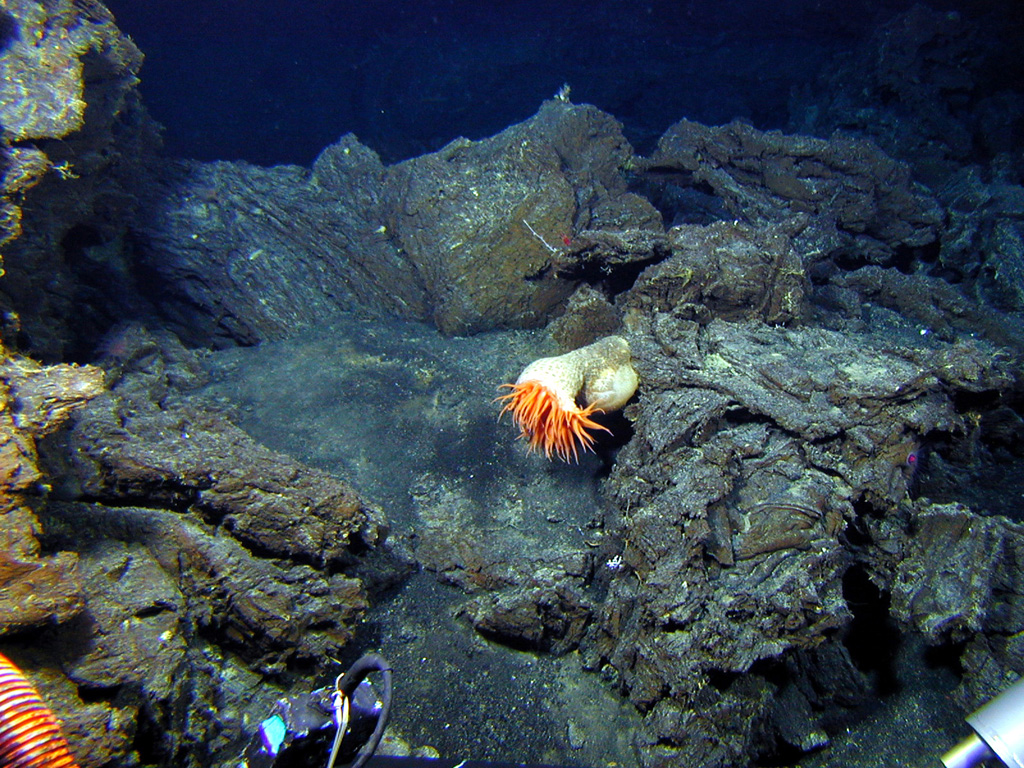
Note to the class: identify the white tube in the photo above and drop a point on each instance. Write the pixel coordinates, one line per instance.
(999, 732)
(968, 753)
(1000, 723)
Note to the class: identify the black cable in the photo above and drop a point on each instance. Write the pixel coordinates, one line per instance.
(358, 672)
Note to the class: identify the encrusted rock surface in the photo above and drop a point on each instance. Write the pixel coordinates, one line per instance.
(192, 563)
(59, 196)
(185, 634)
(956, 577)
(34, 400)
(136, 445)
(445, 237)
(984, 242)
(755, 449)
(842, 194)
(500, 215)
(725, 270)
(243, 253)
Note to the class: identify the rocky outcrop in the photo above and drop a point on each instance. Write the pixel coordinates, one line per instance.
(842, 197)
(983, 245)
(38, 589)
(180, 456)
(924, 87)
(192, 564)
(67, 73)
(725, 270)
(498, 233)
(476, 236)
(756, 455)
(184, 633)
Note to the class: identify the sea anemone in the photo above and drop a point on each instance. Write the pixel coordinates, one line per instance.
(543, 401)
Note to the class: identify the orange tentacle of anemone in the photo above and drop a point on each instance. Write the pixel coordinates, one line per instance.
(543, 401)
(548, 425)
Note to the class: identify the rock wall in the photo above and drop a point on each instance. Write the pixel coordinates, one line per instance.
(73, 136)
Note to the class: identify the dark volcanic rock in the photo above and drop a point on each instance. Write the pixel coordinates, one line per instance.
(243, 253)
(841, 196)
(177, 617)
(490, 223)
(213, 567)
(983, 245)
(956, 579)
(754, 449)
(725, 270)
(142, 443)
(167, 577)
(548, 613)
(472, 237)
(34, 401)
(924, 86)
(66, 169)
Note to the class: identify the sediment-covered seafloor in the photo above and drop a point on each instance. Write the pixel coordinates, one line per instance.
(247, 427)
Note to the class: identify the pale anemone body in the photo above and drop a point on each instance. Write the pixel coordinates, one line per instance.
(543, 401)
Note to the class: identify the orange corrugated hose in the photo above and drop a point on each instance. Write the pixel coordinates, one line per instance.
(30, 736)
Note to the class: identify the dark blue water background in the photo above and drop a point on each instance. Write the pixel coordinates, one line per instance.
(275, 82)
